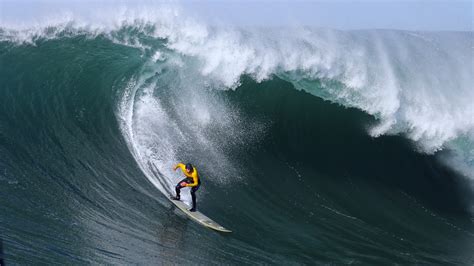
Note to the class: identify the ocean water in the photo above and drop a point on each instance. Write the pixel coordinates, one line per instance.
(314, 146)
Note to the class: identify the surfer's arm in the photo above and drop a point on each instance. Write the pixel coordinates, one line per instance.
(179, 165)
(195, 181)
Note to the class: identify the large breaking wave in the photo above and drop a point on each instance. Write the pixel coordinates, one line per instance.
(180, 90)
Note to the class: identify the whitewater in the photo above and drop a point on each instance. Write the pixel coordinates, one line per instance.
(418, 84)
(332, 120)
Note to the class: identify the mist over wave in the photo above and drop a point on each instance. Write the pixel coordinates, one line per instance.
(417, 83)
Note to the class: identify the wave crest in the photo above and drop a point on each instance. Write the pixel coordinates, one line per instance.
(418, 84)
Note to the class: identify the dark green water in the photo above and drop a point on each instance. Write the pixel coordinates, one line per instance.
(297, 179)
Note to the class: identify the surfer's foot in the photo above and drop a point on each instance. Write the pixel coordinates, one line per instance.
(174, 198)
(192, 209)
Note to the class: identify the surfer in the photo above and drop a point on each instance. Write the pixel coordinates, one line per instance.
(192, 180)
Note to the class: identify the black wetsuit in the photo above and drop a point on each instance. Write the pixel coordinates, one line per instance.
(193, 189)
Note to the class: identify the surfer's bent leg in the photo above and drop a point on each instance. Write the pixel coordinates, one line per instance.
(179, 187)
(193, 195)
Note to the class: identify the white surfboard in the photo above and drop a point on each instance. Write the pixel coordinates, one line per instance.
(199, 217)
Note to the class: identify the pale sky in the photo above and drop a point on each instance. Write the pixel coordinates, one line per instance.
(412, 15)
(430, 15)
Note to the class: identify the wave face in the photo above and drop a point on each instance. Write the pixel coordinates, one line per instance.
(314, 145)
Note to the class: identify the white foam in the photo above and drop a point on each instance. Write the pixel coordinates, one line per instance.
(171, 117)
(417, 84)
